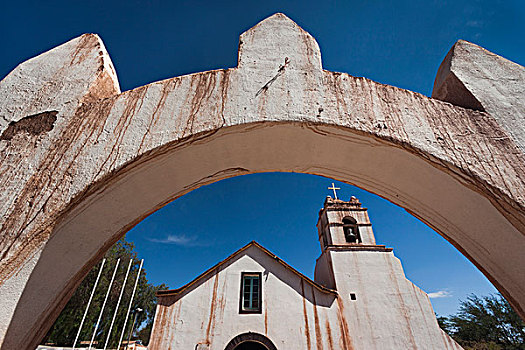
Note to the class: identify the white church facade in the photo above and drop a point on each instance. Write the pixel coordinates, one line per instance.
(359, 298)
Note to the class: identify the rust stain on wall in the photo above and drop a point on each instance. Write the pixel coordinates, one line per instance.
(211, 319)
(158, 327)
(166, 322)
(83, 49)
(177, 322)
(345, 340)
(23, 228)
(402, 308)
(167, 87)
(205, 84)
(421, 311)
(224, 84)
(329, 335)
(134, 103)
(318, 335)
(104, 87)
(305, 315)
(221, 304)
(266, 318)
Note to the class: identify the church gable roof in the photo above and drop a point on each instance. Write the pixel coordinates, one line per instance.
(216, 268)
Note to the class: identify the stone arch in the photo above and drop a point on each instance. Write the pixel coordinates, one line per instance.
(252, 338)
(110, 159)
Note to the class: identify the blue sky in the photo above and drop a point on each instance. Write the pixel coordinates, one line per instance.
(396, 43)
(280, 211)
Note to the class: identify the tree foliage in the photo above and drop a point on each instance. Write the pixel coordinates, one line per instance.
(486, 323)
(66, 326)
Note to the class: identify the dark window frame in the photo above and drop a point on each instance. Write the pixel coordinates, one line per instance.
(241, 294)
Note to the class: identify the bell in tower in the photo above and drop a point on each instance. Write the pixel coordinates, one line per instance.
(344, 223)
(351, 230)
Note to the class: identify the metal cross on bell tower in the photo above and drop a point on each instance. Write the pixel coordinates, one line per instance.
(333, 188)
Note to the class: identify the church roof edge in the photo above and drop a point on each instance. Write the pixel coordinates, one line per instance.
(215, 268)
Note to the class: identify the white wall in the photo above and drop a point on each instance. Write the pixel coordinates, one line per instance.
(209, 312)
(389, 312)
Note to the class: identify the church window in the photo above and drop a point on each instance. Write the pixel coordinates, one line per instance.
(352, 296)
(351, 230)
(251, 292)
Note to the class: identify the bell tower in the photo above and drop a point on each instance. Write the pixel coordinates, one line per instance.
(344, 223)
(345, 233)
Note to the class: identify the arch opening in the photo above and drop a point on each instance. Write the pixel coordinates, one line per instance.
(250, 341)
(440, 199)
(250, 345)
(239, 201)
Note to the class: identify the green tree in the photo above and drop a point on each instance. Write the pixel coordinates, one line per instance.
(65, 328)
(486, 323)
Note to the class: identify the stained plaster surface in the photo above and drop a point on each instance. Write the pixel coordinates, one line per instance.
(111, 158)
(492, 83)
(389, 312)
(208, 313)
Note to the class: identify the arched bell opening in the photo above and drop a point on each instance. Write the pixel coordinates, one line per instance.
(351, 230)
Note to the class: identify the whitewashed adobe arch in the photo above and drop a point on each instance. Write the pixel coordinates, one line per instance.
(81, 163)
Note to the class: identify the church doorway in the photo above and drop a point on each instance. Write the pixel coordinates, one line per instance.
(250, 345)
(250, 341)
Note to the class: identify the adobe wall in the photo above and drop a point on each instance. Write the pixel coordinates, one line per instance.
(389, 311)
(294, 313)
